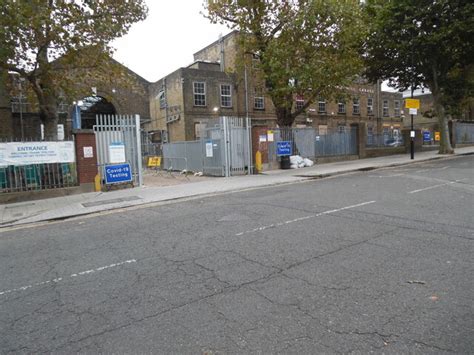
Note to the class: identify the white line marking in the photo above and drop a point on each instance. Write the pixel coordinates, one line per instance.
(435, 186)
(302, 218)
(87, 272)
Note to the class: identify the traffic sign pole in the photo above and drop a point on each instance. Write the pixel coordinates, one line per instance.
(413, 105)
(412, 140)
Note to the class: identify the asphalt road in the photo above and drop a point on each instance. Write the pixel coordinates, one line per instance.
(379, 261)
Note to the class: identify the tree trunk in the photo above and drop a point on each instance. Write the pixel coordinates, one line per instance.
(445, 142)
(48, 109)
(284, 116)
(49, 117)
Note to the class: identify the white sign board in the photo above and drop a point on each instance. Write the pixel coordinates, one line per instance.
(88, 152)
(412, 134)
(26, 153)
(413, 111)
(60, 132)
(270, 136)
(116, 153)
(209, 152)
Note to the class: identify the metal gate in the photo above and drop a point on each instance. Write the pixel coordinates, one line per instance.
(113, 129)
(226, 147)
(338, 142)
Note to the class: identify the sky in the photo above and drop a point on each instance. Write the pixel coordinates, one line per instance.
(167, 39)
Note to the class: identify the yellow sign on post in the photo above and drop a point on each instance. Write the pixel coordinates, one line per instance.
(437, 136)
(412, 103)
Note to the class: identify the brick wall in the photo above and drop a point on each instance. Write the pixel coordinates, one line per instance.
(259, 146)
(86, 167)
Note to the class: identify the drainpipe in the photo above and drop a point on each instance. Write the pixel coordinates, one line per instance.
(221, 41)
(248, 121)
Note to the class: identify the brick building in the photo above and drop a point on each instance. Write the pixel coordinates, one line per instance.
(188, 97)
(391, 113)
(99, 95)
(219, 84)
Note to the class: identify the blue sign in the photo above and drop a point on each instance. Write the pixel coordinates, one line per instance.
(76, 117)
(284, 148)
(426, 136)
(118, 173)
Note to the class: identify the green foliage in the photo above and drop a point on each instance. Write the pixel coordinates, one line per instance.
(306, 48)
(408, 38)
(49, 42)
(423, 42)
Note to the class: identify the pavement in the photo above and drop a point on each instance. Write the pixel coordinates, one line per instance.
(88, 203)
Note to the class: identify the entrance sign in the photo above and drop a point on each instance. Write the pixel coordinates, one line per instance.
(117, 153)
(26, 153)
(284, 148)
(115, 174)
(412, 103)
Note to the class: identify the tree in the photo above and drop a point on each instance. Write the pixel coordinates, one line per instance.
(306, 48)
(424, 42)
(51, 42)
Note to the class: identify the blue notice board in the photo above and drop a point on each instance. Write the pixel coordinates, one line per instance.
(426, 136)
(284, 148)
(117, 173)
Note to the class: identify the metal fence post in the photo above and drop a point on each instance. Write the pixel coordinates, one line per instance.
(139, 150)
(249, 144)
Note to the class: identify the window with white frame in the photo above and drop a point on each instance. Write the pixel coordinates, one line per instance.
(356, 106)
(396, 105)
(370, 106)
(255, 61)
(341, 106)
(385, 108)
(199, 91)
(162, 98)
(321, 105)
(226, 95)
(259, 99)
(299, 102)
